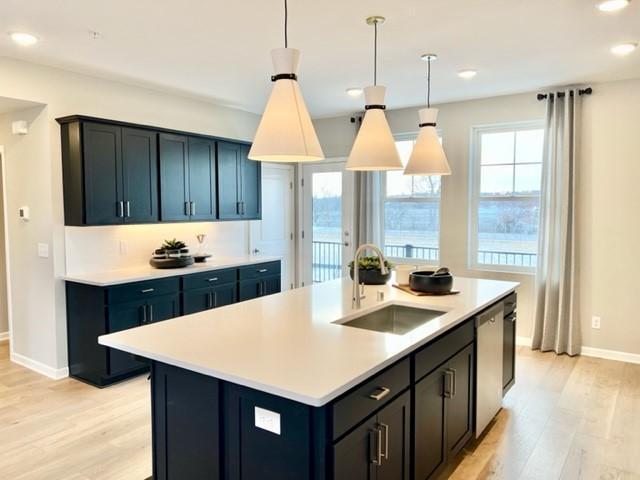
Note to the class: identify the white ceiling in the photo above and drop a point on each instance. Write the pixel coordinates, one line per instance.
(219, 49)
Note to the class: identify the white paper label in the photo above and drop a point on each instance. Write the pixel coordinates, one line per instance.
(267, 420)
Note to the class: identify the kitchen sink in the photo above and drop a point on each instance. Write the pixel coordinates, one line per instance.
(394, 319)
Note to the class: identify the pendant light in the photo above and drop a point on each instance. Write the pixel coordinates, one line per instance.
(374, 147)
(427, 157)
(285, 132)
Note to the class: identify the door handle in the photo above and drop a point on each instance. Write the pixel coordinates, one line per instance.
(151, 313)
(264, 287)
(238, 211)
(193, 208)
(385, 427)
(263, 270)
(208, 300)
(147, 290)
(256, 251)
(120, 209)
(214, 279)
(187, 208)
(379, 394)
(215, 299)
(127, 206)
(448, 386)
(453, 382)
(144, 314)
(377, 459)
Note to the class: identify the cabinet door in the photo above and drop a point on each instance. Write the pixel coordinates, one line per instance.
(353, 456)
(163, 308)
(194, 301)
(394, 422)
(460, 401)
(509, 352)
(102, 174)
(122, 317)
(271, 285)
(174, 181)
(430, 452)
(249, 289)
(229, 178)
(251, 186)
(224, 295)
(202, 179)
(140, 175)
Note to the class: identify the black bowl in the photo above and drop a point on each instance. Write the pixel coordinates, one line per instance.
(424, 282)
(371, 277)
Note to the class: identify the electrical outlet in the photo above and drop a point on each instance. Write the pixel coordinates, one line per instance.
(267, 420)
(123, 247)
(595, 322)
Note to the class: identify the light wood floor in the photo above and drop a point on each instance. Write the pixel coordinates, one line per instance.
(566, 418)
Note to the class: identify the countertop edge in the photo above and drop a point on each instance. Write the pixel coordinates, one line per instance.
(314, 401)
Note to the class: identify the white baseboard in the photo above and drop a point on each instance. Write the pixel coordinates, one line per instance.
(610, 354)
(594, 352)
(39, 367)
(4, 337)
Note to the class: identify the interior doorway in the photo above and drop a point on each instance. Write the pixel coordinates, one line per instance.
(273, 235)
(5, 318)
(327, 221)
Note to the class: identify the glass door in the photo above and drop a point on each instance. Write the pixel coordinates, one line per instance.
(327, 218)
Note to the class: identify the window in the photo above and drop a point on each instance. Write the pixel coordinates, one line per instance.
(411, 211)
(507, 171)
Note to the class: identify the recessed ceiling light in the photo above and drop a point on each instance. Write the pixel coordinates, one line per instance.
(612, 5)
(354, 92)
(623, 49)
(467, 73)
(24, 39)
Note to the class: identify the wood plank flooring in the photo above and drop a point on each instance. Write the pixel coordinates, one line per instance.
(566, 418)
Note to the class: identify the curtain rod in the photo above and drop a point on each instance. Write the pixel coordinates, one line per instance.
(584, 91)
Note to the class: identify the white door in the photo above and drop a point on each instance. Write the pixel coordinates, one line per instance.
(273, 235)
(326, 219)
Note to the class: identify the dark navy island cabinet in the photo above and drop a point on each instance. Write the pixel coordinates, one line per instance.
(93, 311)
(407, 422)
(117, 172)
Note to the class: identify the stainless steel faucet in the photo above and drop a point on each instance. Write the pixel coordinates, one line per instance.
(356, 270)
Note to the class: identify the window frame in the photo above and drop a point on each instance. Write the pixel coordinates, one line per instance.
(400, 137)
(475, 170)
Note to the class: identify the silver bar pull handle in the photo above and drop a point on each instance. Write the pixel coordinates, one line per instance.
(379, 394)
(377, 451)
(127, 206)
(215, 299)
(147, 290)
(193, 208)
(385, 427)
(214, 279)
(151, 313)
(144, 314)
(120, 209)
(453, 382)
(208, 300)
(263, 270)
(187, 208)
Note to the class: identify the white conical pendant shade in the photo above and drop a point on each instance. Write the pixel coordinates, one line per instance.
(285, 133)
(427, 157)
(374, 147)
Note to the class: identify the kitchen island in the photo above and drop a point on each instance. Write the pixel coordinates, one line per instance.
(279, 387)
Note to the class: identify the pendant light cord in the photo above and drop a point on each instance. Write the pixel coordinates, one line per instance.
(429, 83)
(286, 19)
(375, 53)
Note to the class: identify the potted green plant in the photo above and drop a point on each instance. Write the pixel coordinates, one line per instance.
(369, 270)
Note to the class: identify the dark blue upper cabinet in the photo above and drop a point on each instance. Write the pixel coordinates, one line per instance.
(116, 172)
(110, 174)
(239, 185)
(174, 178)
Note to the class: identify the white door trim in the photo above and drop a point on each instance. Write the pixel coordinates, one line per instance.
(7, 261)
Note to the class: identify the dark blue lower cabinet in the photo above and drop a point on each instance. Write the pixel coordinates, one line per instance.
(201, 299)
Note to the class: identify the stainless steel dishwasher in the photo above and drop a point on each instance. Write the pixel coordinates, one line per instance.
(490, 326)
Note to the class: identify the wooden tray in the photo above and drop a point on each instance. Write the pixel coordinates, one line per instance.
(406, 288)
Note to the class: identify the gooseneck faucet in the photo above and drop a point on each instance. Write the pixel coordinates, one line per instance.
(356, 270)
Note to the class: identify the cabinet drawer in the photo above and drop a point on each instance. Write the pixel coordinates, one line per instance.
(209, 279)
(361, 402)
(260, 270)
(510, 303)
(141, 290)
(439, 351)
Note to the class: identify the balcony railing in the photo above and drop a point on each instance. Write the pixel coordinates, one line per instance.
(327, 258)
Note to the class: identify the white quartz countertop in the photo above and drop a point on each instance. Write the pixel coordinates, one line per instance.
(147, 272)
(290, 345)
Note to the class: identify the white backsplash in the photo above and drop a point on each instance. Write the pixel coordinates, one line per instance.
(96, 249)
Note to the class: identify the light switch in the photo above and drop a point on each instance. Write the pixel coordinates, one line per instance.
(43, 250)
(267, 420)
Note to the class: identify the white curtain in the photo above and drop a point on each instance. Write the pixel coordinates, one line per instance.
(367, 209)
(557, 313)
